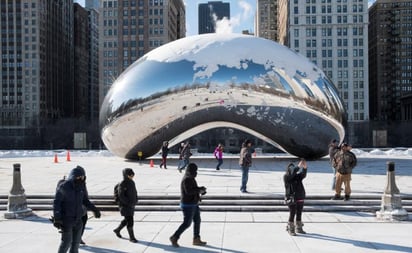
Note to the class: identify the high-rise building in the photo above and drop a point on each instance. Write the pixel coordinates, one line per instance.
(209, 13)
(390, 60)
(81, 37)
(272, 20)
(130, 29)
(92, 7)
(37, 68)
(334, 35)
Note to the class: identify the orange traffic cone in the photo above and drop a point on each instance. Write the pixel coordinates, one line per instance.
(151, 164)
(68, 156)
(55, 158)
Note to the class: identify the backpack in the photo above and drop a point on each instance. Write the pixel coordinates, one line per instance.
(116, 193)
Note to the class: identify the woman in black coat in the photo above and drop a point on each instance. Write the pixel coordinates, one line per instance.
(295, 195)
(127, 202)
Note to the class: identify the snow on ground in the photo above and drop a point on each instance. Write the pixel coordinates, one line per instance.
(401, 153)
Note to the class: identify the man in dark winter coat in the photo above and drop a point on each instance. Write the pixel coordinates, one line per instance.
(127, 202)
(68, 209)
(295, 192)
(189, 202)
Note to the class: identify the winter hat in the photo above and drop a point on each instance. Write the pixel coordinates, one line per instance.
(128, 172)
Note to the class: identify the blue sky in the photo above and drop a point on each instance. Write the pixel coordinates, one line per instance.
(242, 13)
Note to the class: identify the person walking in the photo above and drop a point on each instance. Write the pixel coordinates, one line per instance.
(345, 162)
(189, 202)
(295, 196)
(333, 148)
(245, 161)
(71, 196)
(165, 152)
(127, 201)
(218, 153)
(185, 154)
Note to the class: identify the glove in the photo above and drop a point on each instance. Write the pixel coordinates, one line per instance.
(58, 223)
(202, 190)
(97, 214)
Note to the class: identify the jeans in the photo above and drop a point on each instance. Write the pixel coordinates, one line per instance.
(245, 177)
(71, 238)
(190, 213)
(219, 162)
(182, 164)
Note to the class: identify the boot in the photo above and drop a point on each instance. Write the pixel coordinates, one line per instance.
(299, 227)
(291, 228)
(131, 235)
(336, 197)
(198, 242)
(347, 197)
(173, 239)
(120, 227)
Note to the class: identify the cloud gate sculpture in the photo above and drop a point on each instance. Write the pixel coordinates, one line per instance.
(222, 80)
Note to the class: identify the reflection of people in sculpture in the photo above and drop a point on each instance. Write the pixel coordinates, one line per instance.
(184, 156)
(165, 152)
(245, 161)
(218, 153)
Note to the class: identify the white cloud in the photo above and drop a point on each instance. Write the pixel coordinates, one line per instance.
(227, 26)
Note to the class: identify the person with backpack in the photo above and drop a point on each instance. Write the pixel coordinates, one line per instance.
(345, 162)
(295, 195)
(127, 200)
(71, 196)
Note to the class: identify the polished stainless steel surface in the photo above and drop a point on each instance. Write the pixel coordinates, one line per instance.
(222, 80)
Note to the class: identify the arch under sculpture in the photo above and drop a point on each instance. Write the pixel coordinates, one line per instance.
(222, 80)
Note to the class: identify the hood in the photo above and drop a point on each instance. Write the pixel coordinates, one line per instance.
(127, 172)
(76, 172)
(191, 170)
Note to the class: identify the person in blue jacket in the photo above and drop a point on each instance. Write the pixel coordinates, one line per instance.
(71, 196)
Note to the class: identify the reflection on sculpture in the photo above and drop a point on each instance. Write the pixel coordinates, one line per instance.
(221, 80)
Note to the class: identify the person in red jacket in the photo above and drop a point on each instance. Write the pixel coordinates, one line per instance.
(218, 153)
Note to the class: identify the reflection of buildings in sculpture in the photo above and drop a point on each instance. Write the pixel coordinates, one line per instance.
(262, 93)
(130, 29)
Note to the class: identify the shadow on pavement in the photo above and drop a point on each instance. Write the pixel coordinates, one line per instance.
(361, 244)
(204, 249)
(100, 250)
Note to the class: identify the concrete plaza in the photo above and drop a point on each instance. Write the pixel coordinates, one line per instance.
(224, 231)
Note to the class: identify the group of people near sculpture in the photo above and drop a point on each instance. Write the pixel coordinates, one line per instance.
(71, 199)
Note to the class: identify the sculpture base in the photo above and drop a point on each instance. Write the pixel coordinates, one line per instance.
(18, 214)
(394, 215)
